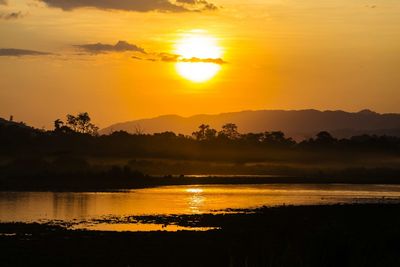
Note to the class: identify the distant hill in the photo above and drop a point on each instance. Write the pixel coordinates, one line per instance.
(8, 123)
(298, 124)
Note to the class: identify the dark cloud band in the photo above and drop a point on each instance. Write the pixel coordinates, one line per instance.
(133, 5)
(13, 52)
(167, 57)
(205, 4)
(218, 61)
(121, 46)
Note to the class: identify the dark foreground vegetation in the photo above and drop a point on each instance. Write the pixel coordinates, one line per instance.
(73, 155)
(338, 235)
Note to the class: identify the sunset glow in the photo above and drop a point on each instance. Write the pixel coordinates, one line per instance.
(178, 55)
(257, 133)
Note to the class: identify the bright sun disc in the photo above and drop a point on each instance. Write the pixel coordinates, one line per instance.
(197, 46)
(197, 72)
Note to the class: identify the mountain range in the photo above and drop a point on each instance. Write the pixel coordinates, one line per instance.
(298, 124)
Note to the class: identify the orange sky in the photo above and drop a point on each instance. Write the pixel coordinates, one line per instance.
(279, 54)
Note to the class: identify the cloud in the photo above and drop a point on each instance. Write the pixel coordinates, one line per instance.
(121, 46)
(206, 5)
(138, 58)
(218, 61)
(12, 15)
(167, 57)
(133, 5)
(13, 52)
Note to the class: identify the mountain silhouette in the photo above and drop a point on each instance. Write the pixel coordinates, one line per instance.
(298, 124)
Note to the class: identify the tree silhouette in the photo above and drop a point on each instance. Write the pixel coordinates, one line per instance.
(253, 137)
(58, 124)
(274, 137)
(325, 137)
(205, 133)
(201, 133)
(81, 123)
(210, 134)
(229, 131)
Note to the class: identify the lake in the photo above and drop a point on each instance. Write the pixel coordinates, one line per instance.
(86, 206)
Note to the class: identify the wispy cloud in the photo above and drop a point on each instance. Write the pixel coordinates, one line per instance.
(121, 46)
(218, 61)
(206, 5)
(14, 52)
(167, 57)
(11, 15)
(138, 53)
(134, 5)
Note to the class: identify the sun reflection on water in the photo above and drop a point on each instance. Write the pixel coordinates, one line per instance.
(196, 199)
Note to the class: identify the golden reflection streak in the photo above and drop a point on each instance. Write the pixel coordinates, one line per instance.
(196, 199)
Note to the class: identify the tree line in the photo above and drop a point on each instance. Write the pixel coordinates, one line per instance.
(81, 124)
(77, 134)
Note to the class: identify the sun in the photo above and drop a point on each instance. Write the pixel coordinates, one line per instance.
(192, 49)
(197, 72)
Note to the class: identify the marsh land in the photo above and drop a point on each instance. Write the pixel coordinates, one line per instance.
(70, 197)
(333, 235)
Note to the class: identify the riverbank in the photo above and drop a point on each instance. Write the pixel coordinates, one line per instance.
(77, 183)
(333, 235)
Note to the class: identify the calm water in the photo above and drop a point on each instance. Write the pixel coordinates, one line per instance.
(48, 206)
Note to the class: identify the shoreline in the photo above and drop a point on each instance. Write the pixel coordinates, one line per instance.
(330, 235)
(159, 181)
